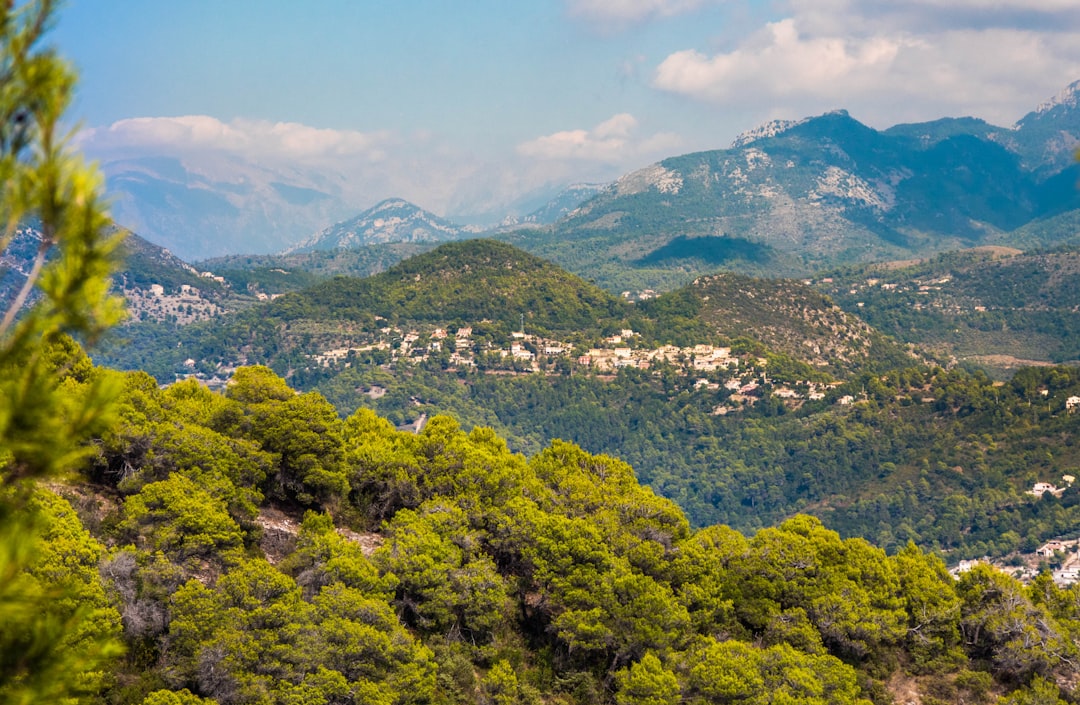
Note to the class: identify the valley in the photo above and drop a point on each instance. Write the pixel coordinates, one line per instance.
(745, 400)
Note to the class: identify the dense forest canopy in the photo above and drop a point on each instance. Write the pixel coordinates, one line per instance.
(441, 567)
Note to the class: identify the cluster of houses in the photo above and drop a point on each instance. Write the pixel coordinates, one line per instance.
(918, 287)
(1067, 571)
(744, 379)
(185, 306)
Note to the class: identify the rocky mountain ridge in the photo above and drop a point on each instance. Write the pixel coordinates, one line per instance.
(795, 196)
(391, 220)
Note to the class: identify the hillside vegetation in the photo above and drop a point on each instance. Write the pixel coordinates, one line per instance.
(743, 400)
(994, 307)
(492, 577)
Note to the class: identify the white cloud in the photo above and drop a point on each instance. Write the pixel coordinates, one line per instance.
(617, 14)
(249, 138)
(361, 168)
(781, 63)
(885, 62)
(611, 141)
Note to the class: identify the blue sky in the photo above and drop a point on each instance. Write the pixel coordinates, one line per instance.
(468, 104)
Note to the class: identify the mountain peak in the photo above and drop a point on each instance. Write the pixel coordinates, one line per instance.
(771, 128)
(778, 127)
(389, 220)
(1068, 97)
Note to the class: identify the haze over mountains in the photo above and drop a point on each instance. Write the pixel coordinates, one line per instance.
(790, 195)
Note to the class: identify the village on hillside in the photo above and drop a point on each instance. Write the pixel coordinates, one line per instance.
(744, 379)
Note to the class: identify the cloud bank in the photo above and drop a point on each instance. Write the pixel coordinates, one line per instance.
(889, 61)
(618, 14)
(249, 138)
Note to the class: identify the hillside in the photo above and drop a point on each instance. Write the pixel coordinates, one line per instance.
(786, 316)
(250, 538)
(498, 290)
(478, 280)
(144, 263)
(993, 307)
(236, 544)
(743, 400)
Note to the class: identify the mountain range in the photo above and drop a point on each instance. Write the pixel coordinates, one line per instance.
(786, 198)
(794, 197)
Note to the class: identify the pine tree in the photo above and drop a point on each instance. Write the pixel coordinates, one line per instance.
(50, 398)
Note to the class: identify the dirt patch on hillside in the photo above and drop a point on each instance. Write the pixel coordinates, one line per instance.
(1006, 361)
(280, 529)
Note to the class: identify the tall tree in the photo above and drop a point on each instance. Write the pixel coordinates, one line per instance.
(49, 399)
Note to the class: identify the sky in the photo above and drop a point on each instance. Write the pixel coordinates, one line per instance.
(466, 105)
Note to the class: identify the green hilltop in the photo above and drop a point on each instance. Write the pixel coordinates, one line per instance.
(473, 280)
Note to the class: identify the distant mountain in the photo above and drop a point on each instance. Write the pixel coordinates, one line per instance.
(795, 196)
(277, 274)
(240, 208)
(788, 197)
(392, 220)
(565, 202)
(1047, 137)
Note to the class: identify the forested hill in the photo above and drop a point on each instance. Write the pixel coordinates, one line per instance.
(494, 290)
(744, 400)
(785, 315)
(470, 281)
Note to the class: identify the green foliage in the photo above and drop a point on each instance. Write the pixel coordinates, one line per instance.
(848, 590)
(169, 697)
(182, 520)
(647, 682)
(735, 672)
(56, 634)
(497, 578)
(323, 557)
(446, 584)
(501, 685)
(933, 609)
(1040, 692)
(1003, 626)
(59, 631)
(301, 431)
(253, 638)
